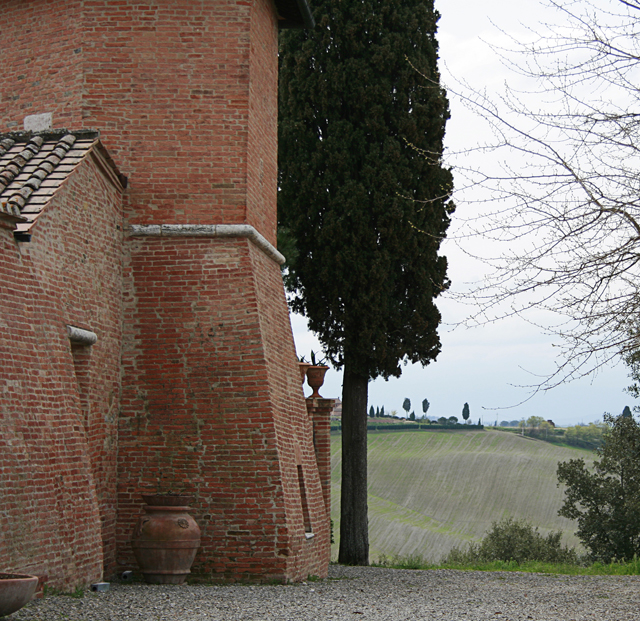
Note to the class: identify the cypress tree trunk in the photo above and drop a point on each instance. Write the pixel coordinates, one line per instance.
(354, 527)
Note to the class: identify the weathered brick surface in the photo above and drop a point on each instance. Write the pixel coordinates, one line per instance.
(293, 426)
(185, 96)
(184, 93)
(41, 61)
(320, 415)
(57, 415)
(213, 406)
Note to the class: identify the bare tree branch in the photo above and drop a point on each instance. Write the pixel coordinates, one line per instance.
(565, 200)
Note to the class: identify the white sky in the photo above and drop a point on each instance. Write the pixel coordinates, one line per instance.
(489, 367)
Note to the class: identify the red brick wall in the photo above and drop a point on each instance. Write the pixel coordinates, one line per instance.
(262, 153)
(184, 94)
(294, 427)
(167, 83)
(320, 415)
(41, 62)
(213, 406)
(57, 436)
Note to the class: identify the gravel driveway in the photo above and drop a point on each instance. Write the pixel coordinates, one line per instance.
(359, 593)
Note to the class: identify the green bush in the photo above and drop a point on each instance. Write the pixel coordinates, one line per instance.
(589, 436)
(412, 561)
(516, 541)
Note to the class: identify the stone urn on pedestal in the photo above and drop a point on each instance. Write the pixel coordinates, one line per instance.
(166, 539)
(315, 375)
(315, 378)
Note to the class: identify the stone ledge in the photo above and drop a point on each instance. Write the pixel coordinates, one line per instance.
(208, 230)
(80, 336)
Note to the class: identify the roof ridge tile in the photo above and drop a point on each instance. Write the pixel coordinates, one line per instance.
(5, 145)
(18, 161)
(21, 196)
(69, 139)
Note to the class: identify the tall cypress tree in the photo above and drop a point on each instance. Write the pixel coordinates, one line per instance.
(364, 199)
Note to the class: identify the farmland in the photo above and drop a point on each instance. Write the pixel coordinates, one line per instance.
(430, 491)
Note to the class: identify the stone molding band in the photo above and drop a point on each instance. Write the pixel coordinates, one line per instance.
(209, 230)
(80, 336)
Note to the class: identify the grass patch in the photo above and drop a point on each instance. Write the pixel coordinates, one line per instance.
(516, 545)
(78, 593)
(631, 568)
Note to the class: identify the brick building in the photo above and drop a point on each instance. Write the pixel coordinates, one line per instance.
(145, 343)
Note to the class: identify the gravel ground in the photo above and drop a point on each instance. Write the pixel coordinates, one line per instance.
(361, 593)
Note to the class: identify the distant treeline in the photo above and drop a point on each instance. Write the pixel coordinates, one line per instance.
(337, 427)
(583, 436)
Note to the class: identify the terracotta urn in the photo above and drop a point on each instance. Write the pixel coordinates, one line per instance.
(166, 539)
(16, 590)
(315, 378)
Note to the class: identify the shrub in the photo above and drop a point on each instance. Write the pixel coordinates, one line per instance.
(588, 436)
(412, 561)
(517, 541)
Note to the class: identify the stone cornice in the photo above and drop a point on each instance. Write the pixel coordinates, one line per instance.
(208, 230)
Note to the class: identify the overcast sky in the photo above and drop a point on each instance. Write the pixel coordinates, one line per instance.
(489, 367)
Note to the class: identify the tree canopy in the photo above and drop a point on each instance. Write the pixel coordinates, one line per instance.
(606, 501)
(362, 189)
(364, 203)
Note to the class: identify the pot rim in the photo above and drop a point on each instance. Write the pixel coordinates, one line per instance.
(6, 576)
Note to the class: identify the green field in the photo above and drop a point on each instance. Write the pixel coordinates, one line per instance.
(430, 491)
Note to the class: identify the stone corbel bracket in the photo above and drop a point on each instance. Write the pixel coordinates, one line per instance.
(80, 336)
(208, 230)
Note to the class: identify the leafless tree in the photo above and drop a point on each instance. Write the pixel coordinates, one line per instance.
(566, 199)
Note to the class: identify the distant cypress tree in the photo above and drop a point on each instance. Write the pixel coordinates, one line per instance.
(465, 412)
(627, 412)
(371, 412)
(365, 199)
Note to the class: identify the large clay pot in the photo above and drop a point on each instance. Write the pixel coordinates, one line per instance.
(315, 378)
(16, 590)
(166, 539)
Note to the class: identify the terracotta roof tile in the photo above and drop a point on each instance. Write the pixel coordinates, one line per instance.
(34, 166)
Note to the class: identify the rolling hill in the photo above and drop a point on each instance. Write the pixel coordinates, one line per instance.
(431, 491)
